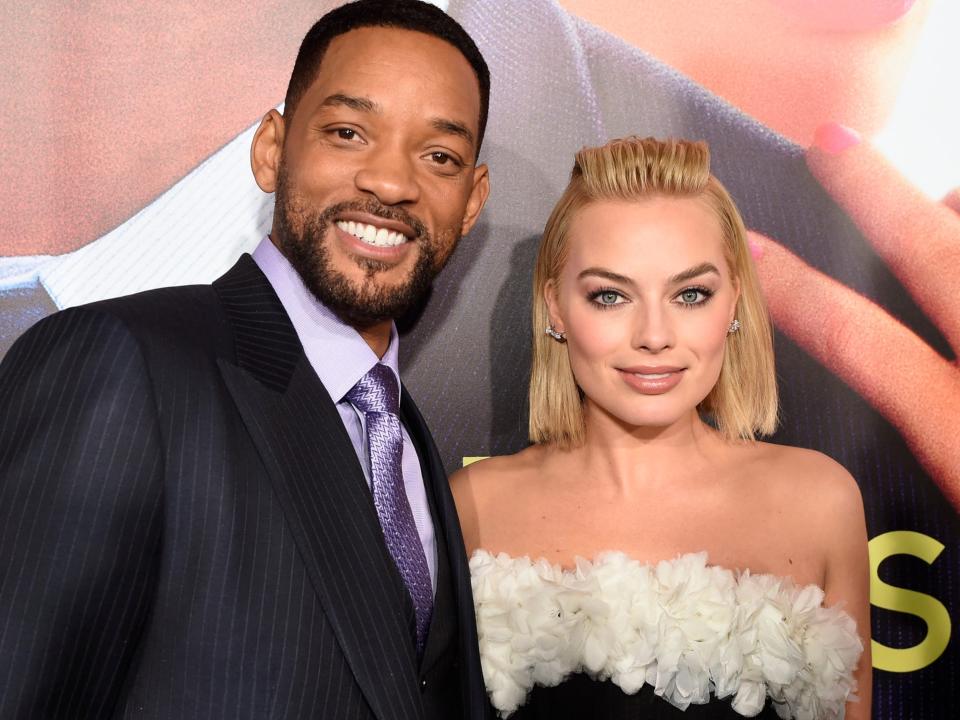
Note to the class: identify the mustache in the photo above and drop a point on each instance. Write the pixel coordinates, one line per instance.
(374, 207)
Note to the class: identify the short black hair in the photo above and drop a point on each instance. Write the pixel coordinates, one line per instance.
(402, 14)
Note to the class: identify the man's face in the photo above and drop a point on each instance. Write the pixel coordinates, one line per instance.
(376, 181)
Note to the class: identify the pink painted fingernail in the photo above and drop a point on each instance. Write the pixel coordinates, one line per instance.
(756, 249)
(834, 138)
(952, 200)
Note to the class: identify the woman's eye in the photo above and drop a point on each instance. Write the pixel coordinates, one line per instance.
(693, 296)
(607, 297)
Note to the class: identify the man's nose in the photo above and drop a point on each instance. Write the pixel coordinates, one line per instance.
(389, 174)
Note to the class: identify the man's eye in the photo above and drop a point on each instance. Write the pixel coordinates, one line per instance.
(441, 158)
(346, 133)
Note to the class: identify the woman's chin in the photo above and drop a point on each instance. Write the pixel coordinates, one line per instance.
(652, 422)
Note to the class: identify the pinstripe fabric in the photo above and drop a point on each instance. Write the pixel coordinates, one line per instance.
(185, 531)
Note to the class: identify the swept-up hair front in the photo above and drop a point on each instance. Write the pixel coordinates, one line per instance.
(743, 403)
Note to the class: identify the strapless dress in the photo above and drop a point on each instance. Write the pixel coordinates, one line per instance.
(614, 638)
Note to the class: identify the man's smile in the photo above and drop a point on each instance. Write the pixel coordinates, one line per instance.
(372, 234)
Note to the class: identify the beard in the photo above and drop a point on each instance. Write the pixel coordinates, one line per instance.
(302, 239)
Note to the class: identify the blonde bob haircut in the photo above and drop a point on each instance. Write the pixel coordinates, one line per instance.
(743, 403)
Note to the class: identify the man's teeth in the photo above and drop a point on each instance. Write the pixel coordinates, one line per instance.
(371, 234)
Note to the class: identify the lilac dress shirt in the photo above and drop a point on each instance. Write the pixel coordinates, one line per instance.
(340, 357)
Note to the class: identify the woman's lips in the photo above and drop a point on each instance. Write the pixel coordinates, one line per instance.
(846, 15)
(652, 380)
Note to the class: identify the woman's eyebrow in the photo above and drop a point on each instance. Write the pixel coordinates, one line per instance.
(607, 274)
(683, 276)
(693, 272)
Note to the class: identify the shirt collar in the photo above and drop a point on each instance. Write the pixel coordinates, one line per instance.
(218, 201)
(336, 351)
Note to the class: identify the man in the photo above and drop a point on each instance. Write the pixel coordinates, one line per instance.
(217, 501)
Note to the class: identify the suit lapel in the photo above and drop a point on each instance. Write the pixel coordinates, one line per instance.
(313, 468)
(447, 527)
(444, 611)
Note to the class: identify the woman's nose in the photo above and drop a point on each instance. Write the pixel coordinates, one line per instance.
(653, 330)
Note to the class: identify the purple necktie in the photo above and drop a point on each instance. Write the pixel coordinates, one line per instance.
(376, 395)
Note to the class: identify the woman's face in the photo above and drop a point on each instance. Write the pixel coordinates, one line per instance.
(792, 64)
(645, 299)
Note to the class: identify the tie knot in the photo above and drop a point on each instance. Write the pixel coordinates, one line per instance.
(376, 391)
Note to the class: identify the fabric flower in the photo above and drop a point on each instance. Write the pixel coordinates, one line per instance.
(689, 629)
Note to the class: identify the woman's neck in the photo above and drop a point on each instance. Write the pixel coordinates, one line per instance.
(637, 458)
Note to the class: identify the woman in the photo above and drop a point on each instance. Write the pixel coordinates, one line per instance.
(590, 549)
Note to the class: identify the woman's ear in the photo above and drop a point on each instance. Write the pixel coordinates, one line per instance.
(553, 305)
(736, 300)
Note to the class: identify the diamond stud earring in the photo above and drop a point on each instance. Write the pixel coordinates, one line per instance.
(734, 326)
(560, 337)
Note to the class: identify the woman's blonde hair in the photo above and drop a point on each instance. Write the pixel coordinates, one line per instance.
(743, 403)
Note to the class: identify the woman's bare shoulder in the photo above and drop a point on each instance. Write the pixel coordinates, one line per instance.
(822, 483)
(484, 488)
(795, 463)
(492, 475)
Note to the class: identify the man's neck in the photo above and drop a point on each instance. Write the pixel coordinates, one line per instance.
(377, 336)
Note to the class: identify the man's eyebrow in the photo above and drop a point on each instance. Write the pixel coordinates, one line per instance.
(695, 271)
(354, 102)
(452, 127)
(607, 274)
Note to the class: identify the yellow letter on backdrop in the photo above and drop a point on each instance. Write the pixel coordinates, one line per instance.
(925, 607)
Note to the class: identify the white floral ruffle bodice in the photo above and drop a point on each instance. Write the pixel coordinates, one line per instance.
(686, 628)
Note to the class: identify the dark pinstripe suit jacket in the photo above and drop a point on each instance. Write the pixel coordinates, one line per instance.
(185, 531)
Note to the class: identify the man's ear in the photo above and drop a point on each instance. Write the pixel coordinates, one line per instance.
(478, 198)
(266, 150)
